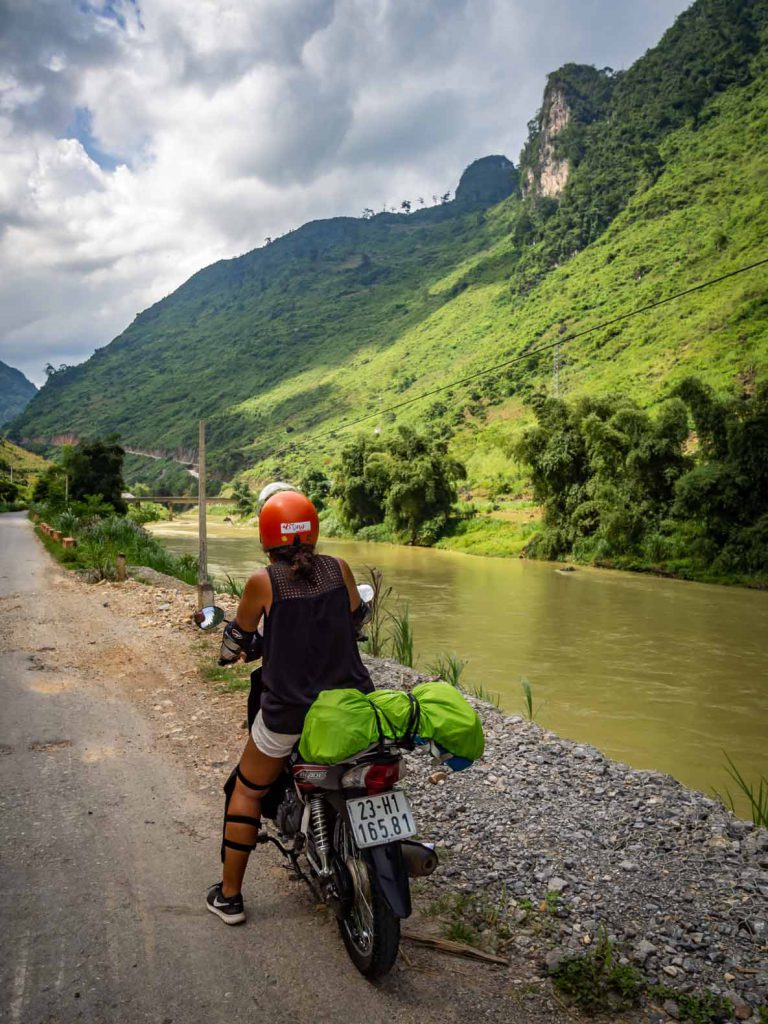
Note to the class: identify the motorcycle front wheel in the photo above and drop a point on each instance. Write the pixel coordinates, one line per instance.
(369, 929)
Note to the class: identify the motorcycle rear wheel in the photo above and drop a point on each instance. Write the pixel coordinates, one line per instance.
(370, 931)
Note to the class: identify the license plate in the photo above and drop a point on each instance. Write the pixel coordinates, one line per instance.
(381, 819)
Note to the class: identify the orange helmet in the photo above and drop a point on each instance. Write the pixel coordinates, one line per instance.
(287, 518)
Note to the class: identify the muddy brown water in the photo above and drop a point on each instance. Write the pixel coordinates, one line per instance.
(661, 674)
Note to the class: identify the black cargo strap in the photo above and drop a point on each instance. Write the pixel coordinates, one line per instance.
(378, 714)
(411, 729)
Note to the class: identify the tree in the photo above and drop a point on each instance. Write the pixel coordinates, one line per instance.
(317, 487)
(244, 499)
(50, 486)
(406, 205)
(726, 493)
(604, 469)
(407, 479)
(95, 468)
(52, 371)
(9, 491)
(359, 487)
(367, 213)
(422, 478)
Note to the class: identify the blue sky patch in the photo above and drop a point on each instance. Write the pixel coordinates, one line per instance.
(81, 129)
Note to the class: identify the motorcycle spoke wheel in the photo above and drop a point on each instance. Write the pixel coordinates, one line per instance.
(370, 931)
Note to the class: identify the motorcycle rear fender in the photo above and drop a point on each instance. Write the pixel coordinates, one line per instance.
(387, 864)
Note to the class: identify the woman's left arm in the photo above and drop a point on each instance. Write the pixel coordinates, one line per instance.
(240, 634)
(349, 580)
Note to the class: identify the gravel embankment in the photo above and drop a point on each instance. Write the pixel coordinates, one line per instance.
(675, 879)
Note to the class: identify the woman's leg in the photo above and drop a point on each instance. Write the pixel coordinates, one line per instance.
(259, 772)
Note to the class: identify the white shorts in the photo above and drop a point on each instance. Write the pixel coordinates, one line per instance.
(272, 744)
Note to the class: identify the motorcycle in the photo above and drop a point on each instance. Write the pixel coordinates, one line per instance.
(352, 828)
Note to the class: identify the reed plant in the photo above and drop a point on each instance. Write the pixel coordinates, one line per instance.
(400, 637)
(756, 793)
(375, 627)
(448, 667)
(484, 694)
(232, 586)
(529, 709)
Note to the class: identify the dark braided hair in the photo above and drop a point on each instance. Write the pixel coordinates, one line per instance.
(300, 558)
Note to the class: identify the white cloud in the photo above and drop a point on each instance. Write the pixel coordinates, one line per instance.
(140, 144)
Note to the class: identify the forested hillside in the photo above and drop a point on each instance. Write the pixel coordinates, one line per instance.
(15, 392)
(632, 186)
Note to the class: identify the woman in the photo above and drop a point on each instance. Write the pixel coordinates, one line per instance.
(311, 608)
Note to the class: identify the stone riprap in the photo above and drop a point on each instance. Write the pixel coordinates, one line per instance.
(566, 843)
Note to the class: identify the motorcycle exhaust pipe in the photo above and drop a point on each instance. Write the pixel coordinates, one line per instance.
(420, 858)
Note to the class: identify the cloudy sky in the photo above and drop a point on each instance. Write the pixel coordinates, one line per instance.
(143, 139)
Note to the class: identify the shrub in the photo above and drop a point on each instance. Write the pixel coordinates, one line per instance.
(597, 982)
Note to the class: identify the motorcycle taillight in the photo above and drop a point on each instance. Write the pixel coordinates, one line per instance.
(381, 777)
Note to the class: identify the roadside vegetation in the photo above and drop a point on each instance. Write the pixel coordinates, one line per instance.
(19, 471)
(80, 498)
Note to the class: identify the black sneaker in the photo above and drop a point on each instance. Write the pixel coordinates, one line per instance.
(228, 908)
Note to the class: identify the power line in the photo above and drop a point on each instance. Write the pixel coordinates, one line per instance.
(520, 357)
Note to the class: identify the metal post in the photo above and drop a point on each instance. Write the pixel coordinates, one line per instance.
(204, 588)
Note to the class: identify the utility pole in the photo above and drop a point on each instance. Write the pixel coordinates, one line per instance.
(204, 588)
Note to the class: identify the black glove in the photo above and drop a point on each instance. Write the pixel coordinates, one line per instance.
(236, 640)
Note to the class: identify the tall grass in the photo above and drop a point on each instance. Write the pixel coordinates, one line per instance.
(756, 793)
(484, 694)
(529, 710)
(448, 667)
(400, 637)
(232, 586)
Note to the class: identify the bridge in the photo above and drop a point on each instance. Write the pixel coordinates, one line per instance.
(184, 499)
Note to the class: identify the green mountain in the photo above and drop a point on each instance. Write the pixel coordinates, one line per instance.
(632, 186)
(15, 392)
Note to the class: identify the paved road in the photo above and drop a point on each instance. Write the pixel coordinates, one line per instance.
(107, 847)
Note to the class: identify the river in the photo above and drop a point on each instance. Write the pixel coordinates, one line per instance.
(659, 673)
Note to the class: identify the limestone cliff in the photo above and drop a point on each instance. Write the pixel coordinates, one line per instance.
(550, 176)
(574, 97)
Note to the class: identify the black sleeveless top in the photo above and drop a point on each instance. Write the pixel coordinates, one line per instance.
(309, 643)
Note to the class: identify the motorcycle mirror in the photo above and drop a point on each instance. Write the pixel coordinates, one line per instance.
(365, 590)
(210, 617)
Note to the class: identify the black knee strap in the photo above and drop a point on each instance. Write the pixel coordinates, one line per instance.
(241, 819)
(229, 788)
(242, 847)
(251, 785)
